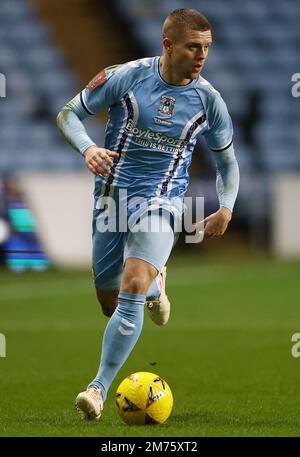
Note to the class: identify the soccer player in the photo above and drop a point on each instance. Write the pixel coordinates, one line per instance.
(158, 108)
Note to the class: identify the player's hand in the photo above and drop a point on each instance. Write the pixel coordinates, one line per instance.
(99, 160)
(217, 223)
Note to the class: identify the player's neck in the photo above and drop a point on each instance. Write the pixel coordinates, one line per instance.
(170, 75)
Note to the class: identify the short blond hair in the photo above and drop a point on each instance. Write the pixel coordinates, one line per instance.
(183, 19)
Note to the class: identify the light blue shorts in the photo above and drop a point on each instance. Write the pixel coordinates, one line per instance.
(153, 243)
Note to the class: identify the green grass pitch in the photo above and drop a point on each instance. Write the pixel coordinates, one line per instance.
(226, 351)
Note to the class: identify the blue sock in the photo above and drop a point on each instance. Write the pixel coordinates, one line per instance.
(153, 291)
(120, 336)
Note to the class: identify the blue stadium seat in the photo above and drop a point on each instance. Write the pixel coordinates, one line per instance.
(38, 85)
(257, 49)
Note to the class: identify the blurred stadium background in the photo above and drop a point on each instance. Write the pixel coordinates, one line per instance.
(49, 53)
(49, 50)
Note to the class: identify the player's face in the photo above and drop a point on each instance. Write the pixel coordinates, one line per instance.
(190, 52)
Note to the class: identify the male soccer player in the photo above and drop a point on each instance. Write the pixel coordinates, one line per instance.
(158, 107)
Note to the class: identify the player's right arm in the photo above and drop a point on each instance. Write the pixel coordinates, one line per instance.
(100, 93)
(69, 121)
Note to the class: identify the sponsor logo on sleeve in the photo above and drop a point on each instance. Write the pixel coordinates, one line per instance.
(97, 81)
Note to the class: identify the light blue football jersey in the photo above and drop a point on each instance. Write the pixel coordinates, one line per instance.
(154, 127)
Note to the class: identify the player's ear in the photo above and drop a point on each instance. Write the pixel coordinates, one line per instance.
(167, 43)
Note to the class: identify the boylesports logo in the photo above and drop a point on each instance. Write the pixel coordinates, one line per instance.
(154, 136)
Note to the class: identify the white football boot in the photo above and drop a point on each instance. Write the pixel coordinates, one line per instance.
(159, 309)
(90, 404)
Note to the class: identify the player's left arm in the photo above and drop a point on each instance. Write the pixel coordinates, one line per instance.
(219, 140)
(227, 184)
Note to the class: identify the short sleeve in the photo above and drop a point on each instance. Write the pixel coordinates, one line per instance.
(104, 90)
(220, 131)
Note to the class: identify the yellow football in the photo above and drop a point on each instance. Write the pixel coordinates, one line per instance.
(144, 398)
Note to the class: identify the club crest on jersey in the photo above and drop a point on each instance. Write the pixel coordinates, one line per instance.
(166, 105)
